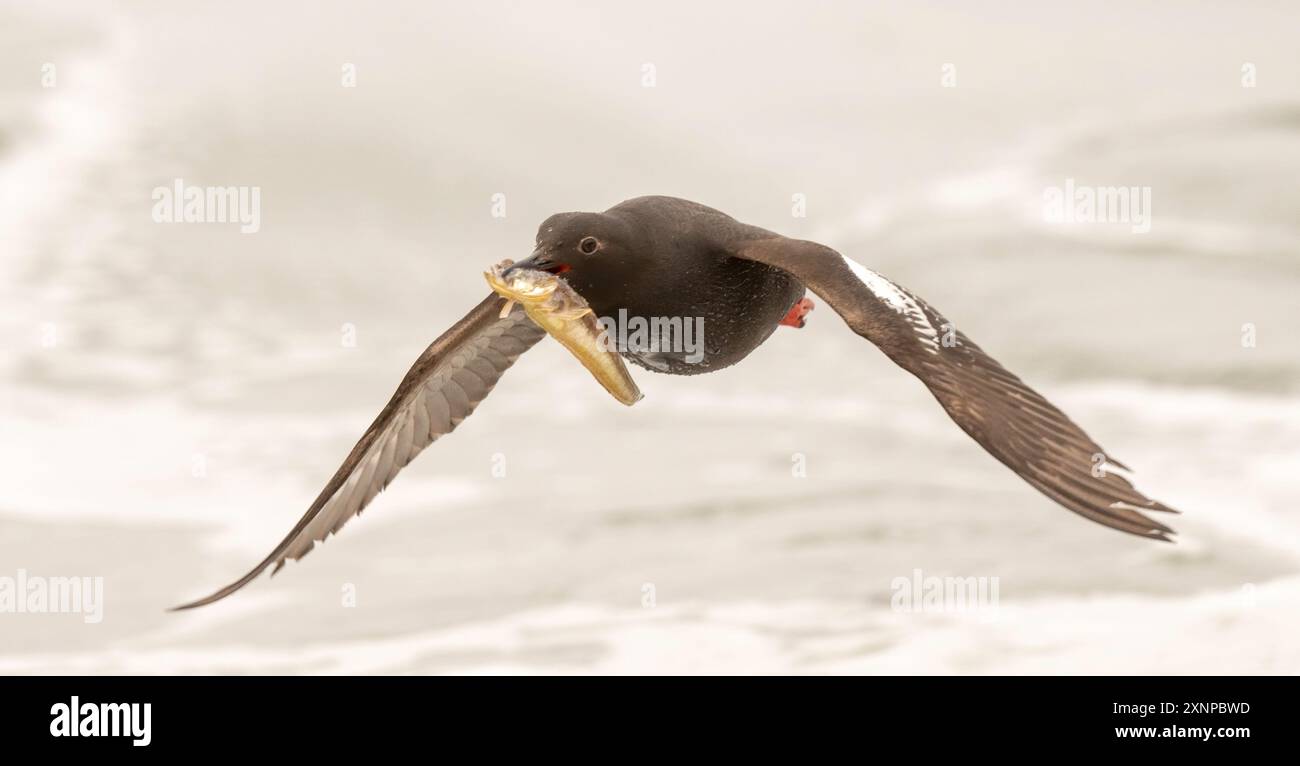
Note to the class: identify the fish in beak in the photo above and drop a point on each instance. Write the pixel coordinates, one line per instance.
(565, 316)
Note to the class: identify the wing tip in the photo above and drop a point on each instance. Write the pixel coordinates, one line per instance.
(211, 598)
(1143, 526)
(197, 603)
(228, 590)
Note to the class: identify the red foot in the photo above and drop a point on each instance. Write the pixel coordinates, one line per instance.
(795, 317)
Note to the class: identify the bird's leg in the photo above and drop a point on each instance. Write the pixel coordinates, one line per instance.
(795, 317)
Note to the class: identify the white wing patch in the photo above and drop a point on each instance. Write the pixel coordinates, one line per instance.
(899, 300)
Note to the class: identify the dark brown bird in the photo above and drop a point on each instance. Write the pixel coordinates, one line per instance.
(668, 257)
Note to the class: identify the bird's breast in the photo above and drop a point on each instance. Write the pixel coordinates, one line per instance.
(707, 321)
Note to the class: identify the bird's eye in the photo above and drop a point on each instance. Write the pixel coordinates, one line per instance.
(588, 245)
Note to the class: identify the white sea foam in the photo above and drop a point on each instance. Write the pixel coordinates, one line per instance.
(1236, 631)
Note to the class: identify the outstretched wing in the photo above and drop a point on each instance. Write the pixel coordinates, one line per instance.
(442, 388)
(1008, 418)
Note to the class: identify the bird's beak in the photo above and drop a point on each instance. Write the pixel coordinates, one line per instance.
(540, 260)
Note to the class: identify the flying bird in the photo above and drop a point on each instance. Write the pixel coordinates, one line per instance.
(668, 257)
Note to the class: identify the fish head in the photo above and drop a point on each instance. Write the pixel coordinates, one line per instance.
(529, 287)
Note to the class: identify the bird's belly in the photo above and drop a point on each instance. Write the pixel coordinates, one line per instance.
(713, 334)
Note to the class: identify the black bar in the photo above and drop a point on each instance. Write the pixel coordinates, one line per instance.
(300, 715)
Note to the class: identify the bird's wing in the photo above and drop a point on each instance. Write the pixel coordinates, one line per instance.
(1008, 418)
(442, 388)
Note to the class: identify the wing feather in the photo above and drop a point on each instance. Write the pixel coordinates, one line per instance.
(442, 388)
(1010, 420)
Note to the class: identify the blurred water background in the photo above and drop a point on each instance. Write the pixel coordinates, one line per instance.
(174, 395)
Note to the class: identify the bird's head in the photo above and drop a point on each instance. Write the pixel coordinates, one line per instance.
(590, 251)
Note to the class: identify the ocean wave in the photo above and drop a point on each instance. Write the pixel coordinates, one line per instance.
(1243, 631)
